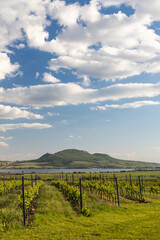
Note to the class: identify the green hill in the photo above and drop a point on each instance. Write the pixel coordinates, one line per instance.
(72, 158)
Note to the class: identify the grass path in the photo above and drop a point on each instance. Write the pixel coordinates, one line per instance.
(55, 219)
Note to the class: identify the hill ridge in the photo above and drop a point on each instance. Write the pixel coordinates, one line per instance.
(74, 158)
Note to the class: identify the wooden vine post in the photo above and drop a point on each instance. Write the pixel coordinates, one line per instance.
(103, 178)
(140, 188)
(67, 179)
(4, 185)
(24, 210)
(117, 190)
(73, 179)
(130, 179)
(80, 186)
(31, 180)
(142, 180)
(126, 178)
(36, 180)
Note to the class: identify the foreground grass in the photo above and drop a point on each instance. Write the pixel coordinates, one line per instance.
(10, 214)
(55, 219)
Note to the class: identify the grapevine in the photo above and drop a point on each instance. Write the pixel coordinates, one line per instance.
(30, 194)
(9, 185)
(73, 195)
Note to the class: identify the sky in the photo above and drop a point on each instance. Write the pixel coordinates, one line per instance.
(80, 74)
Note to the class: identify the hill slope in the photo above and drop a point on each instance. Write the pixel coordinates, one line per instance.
(72, 158)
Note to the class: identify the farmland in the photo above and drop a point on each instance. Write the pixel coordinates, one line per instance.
(57, 210)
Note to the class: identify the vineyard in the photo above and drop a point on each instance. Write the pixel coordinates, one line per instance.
(23, 197)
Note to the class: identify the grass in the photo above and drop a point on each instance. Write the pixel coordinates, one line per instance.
(10, 214)
(55, 219)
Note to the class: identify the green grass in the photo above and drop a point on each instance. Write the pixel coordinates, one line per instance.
(10, 214)
(55, 219)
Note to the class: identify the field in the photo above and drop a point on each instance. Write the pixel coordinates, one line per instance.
(54, 210)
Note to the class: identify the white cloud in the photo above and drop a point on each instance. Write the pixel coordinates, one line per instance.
(86, 81)
(64, 122)
(53, 114)
(57, 9)
(6, 127)
(7, 112)
(6, 68)
(136, 104)
(37, 75)
(143, 7)
(70, 93)
(9, 138)
(3, 144)
(19, 20)
(20, 46)
(2, 138)
(50, 114)
(71, 136)
(37, 107)
(6, 138)
(47, 77)
(121, 52)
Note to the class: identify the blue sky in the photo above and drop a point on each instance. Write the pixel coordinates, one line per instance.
(80, 74)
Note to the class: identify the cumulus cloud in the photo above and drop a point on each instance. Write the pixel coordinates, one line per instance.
(47, 77)
(6, 127)
(121, 52)
(6, 68)
(70, 93)
(27, 15)
(143, 7)
(20, 20)
(7, 112)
